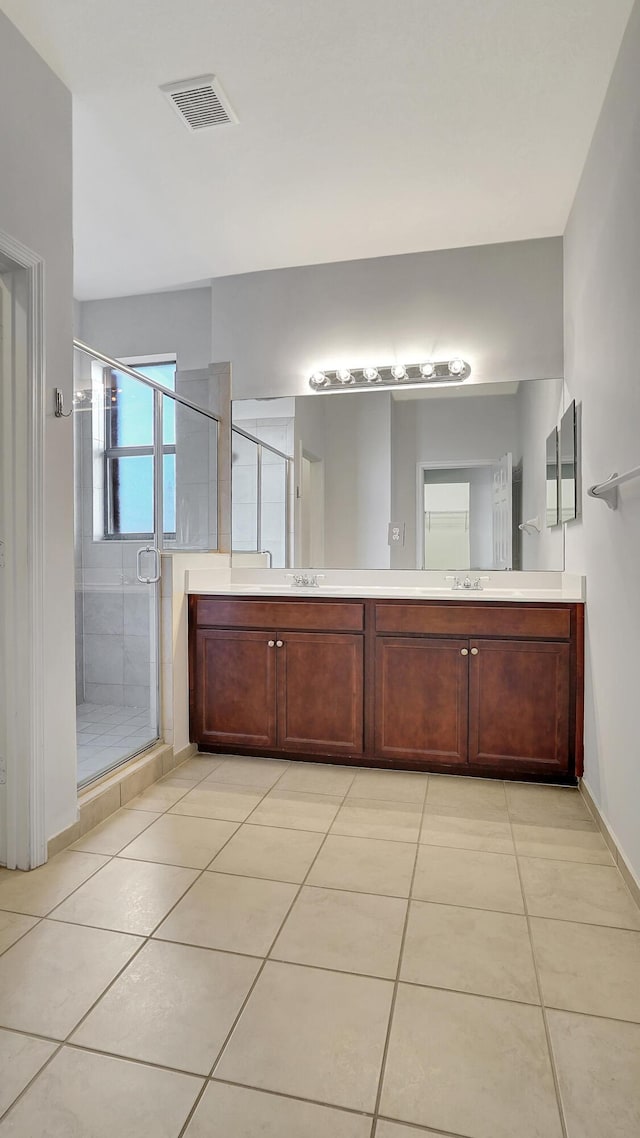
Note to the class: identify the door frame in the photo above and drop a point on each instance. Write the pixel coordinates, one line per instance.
(23, 398)
(421, 467)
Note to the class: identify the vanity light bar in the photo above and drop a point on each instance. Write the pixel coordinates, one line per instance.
(440, 372)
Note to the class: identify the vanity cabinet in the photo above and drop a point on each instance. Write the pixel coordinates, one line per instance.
(500, 704)
(236, 689)
(470, 687)
(519, 704)
(422, 697)
(274, 687)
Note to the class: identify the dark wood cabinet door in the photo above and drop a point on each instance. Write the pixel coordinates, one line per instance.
(320, 693)
(235, 688)
(519, 704)
(421, 699)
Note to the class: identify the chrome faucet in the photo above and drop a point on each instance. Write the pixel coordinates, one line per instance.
(306, 580)
(469, 585)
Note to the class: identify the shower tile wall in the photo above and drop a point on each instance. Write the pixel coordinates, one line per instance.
(279, 432)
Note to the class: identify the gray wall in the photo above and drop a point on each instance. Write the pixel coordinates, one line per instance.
(499, 306)
(357, 480)
(444, 430)
(602, 330)
(172, 322)
(35, 208)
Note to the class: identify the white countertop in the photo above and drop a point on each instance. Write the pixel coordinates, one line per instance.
(559, 587)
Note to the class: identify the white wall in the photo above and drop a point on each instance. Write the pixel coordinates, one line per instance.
(498, 306)
(35, 208)
(172, 322)
(602, 329)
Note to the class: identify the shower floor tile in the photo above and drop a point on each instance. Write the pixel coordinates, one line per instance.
(108, 734)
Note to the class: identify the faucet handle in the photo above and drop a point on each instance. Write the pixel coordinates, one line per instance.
(457, 583)
(477, 580)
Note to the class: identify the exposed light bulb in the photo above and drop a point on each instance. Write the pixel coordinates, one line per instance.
(456, 367)
(399, 371)
(318, 379)
(371, 374)
(427, 371)
(344, 375)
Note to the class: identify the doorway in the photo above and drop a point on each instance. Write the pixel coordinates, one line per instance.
(465, 515)
(22, 829)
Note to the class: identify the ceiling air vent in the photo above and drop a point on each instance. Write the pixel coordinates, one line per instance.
(199, 103)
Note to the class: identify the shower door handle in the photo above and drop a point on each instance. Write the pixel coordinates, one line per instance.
(156, 554)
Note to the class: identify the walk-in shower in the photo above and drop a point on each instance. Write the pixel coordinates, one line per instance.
(146, 471)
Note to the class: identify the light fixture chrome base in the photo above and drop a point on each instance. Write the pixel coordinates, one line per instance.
(439, 372)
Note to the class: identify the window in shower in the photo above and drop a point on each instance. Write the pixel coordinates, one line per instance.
(130, 454)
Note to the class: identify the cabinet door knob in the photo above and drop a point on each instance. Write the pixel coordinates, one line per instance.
(271, 643)
(279, 643)
(474, 651)
(464, 651)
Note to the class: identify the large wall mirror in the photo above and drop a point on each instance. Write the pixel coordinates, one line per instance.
(421, 479)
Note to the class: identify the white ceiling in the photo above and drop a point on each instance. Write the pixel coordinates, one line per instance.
(367, 127)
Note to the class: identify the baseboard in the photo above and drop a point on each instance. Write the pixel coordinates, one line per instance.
(98, 801)
(630, 879)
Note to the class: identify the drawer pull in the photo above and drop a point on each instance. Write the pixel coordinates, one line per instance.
(271, 643)
(279, 643)
(464, 651)
(474, 651)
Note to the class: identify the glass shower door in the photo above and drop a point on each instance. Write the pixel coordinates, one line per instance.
(146, 481)
(117, 569)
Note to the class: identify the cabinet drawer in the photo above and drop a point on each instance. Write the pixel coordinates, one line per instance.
(230, 612)
(481, 619)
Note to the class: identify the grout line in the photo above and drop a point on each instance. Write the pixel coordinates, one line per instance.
(210, 868)
(251, 990)
(545, 1022)
(396, 985)
(28, 1085)
(70, 849)
(38, 920)
(215, 1079)
(88, 1049)
(420, 1129)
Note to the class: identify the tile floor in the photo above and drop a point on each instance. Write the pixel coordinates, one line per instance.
(108, 734)
(256, 948)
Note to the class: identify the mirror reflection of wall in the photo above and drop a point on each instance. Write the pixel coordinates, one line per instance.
(552, 514)
(359, 460)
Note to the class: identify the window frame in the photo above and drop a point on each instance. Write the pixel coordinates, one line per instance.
(113, 453)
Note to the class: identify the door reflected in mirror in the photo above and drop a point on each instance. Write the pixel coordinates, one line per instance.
(324, 481)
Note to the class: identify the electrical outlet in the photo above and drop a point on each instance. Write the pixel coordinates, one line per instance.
(396, 533)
